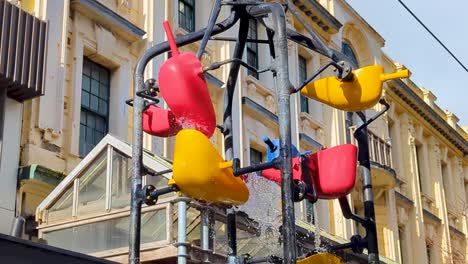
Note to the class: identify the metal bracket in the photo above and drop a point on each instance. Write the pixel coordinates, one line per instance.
(150, 92)
(216, 65)
(358, 132)
(150, 194)
(238, 171)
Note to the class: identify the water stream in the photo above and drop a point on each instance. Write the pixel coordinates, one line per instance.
(317, 241)
(264, 208)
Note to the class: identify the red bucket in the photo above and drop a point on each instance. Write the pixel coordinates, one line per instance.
(160, 122)
(183, 87)
(333, 171)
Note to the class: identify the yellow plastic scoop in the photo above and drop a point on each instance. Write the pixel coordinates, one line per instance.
(200, 172)
(361, 93)
(321, 258)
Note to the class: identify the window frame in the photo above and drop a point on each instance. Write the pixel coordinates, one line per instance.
(255, 161)
(189, 5)
(302, 76)
(252, 48)
(87, 110)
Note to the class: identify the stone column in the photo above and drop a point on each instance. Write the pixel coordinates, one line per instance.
(416, 219)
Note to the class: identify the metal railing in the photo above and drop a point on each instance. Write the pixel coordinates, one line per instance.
(380, 150)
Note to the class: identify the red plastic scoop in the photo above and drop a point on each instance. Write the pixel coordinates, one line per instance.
(183, 87)
(332, 171)
(160, 122)
(275, 174)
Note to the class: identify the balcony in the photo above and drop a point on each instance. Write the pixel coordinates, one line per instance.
(22, 52)
(380, 154)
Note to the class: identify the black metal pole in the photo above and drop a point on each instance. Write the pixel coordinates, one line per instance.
(209, 28)
(231, 229)
(369, 213)
(283, 89)
(137, 139)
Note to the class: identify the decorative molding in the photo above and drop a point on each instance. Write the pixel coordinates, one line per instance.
(431, 216)
(108, 18)
(260, 109)
(310, 141)
(261, 88)
(403, 91)
(456, 231)
(213, 80)
(405, 200)
(402, 216)
(319, 15)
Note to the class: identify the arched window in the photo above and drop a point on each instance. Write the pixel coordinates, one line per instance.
(348, 51)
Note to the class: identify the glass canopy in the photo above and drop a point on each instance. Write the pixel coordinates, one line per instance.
(89, 210)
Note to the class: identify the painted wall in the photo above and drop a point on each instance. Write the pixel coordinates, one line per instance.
(9, 163)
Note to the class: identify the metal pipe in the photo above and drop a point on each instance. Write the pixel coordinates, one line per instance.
(346, 210)
(18, 226)
(283, 88)
(161, 172)
(369, 213)
(252, 168)
(137, 138)
(182, 252)
(206, 232)
(317, 73)
(259, 41)
(231, 229)
(268, 259)
(310, 44)
(209, 28)
(318, 43)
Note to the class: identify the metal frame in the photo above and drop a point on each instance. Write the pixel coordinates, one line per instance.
(242, 11)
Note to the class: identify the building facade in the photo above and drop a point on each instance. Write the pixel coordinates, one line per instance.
(418, 151)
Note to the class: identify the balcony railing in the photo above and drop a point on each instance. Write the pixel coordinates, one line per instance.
(379, 150)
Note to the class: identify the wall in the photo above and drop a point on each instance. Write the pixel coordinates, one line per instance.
(9, 163)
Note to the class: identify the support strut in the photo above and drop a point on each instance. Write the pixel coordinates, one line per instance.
(283, 89)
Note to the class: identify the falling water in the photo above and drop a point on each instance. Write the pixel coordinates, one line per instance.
(317, 242)
(264, 208)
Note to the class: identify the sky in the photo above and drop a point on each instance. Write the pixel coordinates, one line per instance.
(408, 43)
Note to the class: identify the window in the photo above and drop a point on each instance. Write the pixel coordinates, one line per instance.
(94, 117)
(252, 48)
(445, 181)
(187, 15)
(348, 51)
(428, 252)
(256, 157)
(403, 244)
(420, 160)
(302, 79)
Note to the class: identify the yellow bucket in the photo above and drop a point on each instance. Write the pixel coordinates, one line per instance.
(200, 172)
(361, 93)
(321, 258)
